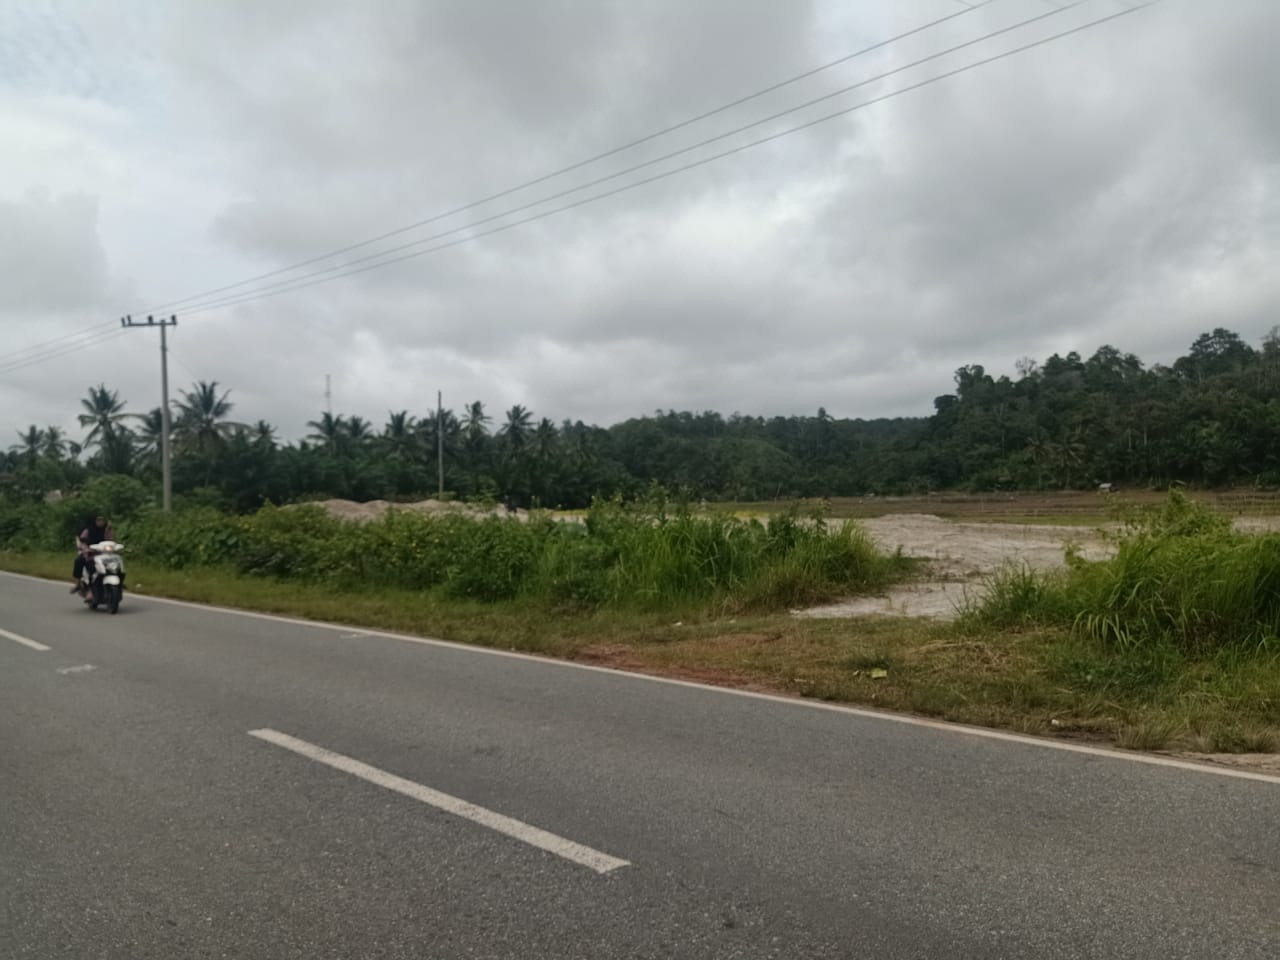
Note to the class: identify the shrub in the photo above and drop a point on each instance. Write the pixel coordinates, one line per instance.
(1180, 576)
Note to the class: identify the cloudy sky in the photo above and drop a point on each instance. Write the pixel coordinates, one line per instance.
(1118, 185)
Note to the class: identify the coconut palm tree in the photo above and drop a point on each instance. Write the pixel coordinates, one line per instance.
(32, 442)
(55, 443)
(150, 433)
(327, 430)
(202, 427)
(202, 418)
(103, 414)
(359, 430)
(428, 428)
(516, 428)
(399, 433)
(263, 433)
(545, 440)
(475, 424)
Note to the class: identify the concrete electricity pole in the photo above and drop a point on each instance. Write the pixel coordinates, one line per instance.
(165, 429)
(440, 438)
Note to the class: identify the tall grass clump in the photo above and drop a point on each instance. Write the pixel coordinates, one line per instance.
(641, 556)
(647, 555)
(1180, 575)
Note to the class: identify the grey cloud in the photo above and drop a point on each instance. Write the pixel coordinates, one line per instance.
(51, 258)
(1119, 187)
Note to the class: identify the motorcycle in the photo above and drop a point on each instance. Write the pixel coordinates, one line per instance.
(102, 583)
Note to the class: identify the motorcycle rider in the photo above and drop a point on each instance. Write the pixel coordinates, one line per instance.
(98, 530)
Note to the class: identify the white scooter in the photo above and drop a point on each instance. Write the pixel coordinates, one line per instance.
(102, 583)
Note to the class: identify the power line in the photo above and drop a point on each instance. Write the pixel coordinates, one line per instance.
(579, 164)
(46, 355)
(45, 344)
(178, 360)
(238, 298)
(53, 353)
(37, 352)
(303, 283)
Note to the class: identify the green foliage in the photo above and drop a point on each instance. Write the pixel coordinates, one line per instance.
(54, 526)
(1211, 418)
(646, 556)
(1181, 580)
(119, 498)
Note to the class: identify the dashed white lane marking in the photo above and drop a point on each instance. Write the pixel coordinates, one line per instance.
(575, 852)
(82, 668)
(535, 837)
(24, 641)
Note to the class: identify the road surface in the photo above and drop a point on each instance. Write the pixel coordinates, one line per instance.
(184, 782)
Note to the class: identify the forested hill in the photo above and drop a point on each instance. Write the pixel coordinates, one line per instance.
(1211, 418)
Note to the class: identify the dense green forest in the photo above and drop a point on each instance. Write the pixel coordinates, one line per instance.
(1211, 418)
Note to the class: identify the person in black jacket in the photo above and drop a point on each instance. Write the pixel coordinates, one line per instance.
(99, 529)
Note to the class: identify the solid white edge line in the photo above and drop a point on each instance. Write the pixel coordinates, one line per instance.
(601, 863)
(900, 718)
(24, 640)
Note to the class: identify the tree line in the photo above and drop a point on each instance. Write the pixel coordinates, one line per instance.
(1211, 418)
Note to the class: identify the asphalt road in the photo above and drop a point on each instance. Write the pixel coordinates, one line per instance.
(183, 782)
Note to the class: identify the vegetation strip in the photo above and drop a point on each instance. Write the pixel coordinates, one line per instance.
(1038, 656)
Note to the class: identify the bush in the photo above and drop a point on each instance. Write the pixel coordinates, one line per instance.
(1181, 576)
(43, 526)
(119, 498)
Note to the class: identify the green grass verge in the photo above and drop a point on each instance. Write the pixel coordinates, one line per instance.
(1032, 678)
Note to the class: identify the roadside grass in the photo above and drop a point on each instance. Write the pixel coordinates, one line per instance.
(1030, 677)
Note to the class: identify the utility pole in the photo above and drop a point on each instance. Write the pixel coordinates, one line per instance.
(440, 438)
(328, 408)
(165, 430)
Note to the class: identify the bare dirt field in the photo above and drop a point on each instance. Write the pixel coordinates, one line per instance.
(1054, 507)
(959, 557)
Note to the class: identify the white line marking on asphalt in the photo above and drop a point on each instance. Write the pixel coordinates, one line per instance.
(574, 852)
(901, 718)
(83, 668)
(23, 640)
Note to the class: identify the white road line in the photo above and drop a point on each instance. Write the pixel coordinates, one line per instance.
(24, 641)
(83, 668)
(574, 852)
(901, 718)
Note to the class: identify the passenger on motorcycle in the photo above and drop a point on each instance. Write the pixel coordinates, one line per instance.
(99, 529)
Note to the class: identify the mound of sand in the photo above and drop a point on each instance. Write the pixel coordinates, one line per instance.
(376, 509)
